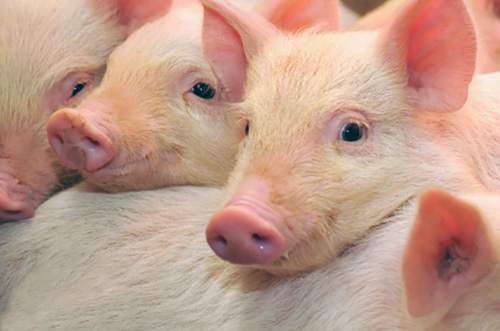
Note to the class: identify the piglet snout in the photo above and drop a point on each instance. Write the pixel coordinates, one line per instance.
(77, 142)
(11, 210)
(239, 234)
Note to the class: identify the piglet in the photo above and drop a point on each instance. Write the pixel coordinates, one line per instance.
(450, 265)
(345, 127)
(138, 260)
(162, 116)
(52, 53)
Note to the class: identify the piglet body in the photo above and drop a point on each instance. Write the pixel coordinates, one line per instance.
(138, 260)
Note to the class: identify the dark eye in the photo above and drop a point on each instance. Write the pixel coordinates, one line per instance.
(247, 128)
(203, 91)
(77, 89)
(351, 132)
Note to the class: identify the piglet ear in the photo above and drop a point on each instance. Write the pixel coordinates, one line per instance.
(294, 15)
(231, 36)
(135, 13)
(435, 41)
(448, 251)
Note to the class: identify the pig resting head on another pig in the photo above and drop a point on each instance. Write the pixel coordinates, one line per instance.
(163, 114)
(336, 134)
(160, 117)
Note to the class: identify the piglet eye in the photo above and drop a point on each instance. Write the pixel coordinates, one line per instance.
(352, 132)
(77, 89)
(247, 128)
(203, 91)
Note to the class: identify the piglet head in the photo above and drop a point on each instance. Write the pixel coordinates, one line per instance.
(44, 68)
(332, 120)
(160, 117)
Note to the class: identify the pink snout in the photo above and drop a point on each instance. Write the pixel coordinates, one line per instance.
(240, 235)
(11, 210)
(77, 142)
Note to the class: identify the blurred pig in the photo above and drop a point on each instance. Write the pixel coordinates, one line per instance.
(52, 53)
(148, 267)
(450, 265)
(485, 16)
(344, 127)
(162, 116)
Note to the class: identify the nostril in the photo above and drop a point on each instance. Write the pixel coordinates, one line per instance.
(219, 244)
(259, 238)
(222, 240)
(56, 140)
(93, 142)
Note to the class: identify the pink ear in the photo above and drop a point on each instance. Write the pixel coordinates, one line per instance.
(135, 13)
(436, 41)
(293, 15)
(230, 37)
(447, 252)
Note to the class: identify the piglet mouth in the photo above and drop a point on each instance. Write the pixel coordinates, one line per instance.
(149, 164)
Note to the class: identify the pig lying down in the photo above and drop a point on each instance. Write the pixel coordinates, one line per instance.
(160, 117)
(163, 114)
(148, 267)
(52, 53)
(345, 127)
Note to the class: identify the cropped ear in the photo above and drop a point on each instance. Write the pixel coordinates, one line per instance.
(136, 13)
(448, 251)
(230, 37)
(294, 15)
(434, 40)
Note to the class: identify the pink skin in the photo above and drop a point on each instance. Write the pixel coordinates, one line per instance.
(12, 209)
(247, 230)
(147, 132)
(334, 189)
(445, 226)
(61, 72)
(24, 184)
(77, 142)
(251, 229)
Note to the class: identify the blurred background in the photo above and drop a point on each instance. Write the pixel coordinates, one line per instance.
(350, 10)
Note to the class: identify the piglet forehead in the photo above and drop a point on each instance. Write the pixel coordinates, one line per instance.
(313, 79)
